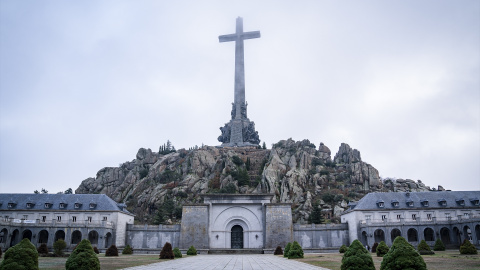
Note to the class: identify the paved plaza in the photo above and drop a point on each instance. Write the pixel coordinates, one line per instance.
(233, 262)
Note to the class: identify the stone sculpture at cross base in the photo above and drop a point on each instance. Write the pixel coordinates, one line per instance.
(240, 131)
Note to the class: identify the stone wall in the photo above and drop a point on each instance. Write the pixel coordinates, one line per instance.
(278, 225)
(152, 236)
(321, 236)
(194, 228)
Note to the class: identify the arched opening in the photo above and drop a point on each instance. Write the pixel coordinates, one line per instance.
(76, 237)
(93, 237)
(59, 235)
(395, 233)
(457, 240)
(237, 237)
(364, 238)
(108, 240)
(477, 233)
(429, 234)
(43, 237)
(468, 233)
(14, 240)
(27, 234)
(379, 236)
(445, 235)
(3, 236)
(412, 235)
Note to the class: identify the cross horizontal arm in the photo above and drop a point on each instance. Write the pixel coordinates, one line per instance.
(250, 35)
(233, 37)
(225, 38)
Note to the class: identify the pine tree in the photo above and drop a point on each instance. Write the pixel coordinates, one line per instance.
(316, 215)
(401, 256)
(357, 258)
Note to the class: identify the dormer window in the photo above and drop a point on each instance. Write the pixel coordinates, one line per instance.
(395, 203)
(460, 202)
(11, 204)
(475, 201)
(410, 203)
(442, 202)
(48, 205)
(424, 203)
(93, 205)
(63, 205)
(381, 204)
(30, 205)
(78, 205)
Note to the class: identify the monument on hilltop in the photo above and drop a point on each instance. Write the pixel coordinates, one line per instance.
(240, 131)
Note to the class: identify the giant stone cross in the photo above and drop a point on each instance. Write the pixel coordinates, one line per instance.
(240, 131)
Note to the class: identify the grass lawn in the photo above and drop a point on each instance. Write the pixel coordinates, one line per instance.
(108, 263)
(442, 260)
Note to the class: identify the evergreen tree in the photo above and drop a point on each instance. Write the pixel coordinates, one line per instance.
(83, 258)
(357, 258)
(468, 248)
(287, 249)
(264, 145)
(167, 252)
(402, 256)
(295, 251)
(192, 251)
(316, 215)
(23, 255)
(424, 249)
(439, 246)
(382, 249)
(177, 253)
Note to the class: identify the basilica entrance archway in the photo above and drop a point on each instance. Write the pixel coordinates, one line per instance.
(237, 237)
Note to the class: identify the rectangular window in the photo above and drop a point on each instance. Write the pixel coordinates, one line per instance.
(399, 217)
(74, 219)
(6, 218)
(104, 218)
(429, 216)
(414, 217)
(89, 219)
(59, 218)
(25, 216)
(384, 217)
(44, 218)
(62, 205)
(466, 215)
(447, 215)
(368, 217)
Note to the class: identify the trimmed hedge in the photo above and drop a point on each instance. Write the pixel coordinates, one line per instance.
(112, 251)
(192, 251)
(287, 249)
(424, 249)
(465, 248)
(382, 249)
(343, 249)
(357, 257)
(167, 252)
(295, 251)
(23, 255)
(59, 246)
(439, 246)
(128, 250)
(402, 256)
(177, 253)
(83, 258)
(278, 251)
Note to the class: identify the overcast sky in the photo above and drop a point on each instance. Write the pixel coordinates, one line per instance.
(85, 84)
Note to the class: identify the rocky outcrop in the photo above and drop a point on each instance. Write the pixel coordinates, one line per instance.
(295, 171)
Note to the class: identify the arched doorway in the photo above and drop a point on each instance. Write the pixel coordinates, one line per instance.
(3, 236)
(468, 233)
(379, 236)
(76, 237)
(93, 237)
(27, 234)
(14, 240)
(445, 235)
(364, 238)
(43, 237)
(457, 240)
(412, 235)
(429, 234)
(477, 233)
(395, 233)
(237, 237)
(59, 235)
(108, 240)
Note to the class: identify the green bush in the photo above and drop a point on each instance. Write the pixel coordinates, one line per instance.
(424, 249)
(287, 249)
(83, 258)
(357, 258)
(127, 250)
(191, 251)
(22, 256)
(167, 252)
(278, 251)
(177, 253)
(342, 249)
(439, 246)
(382, 249)
(401, 256)
(42, 249)
(374, 248)
(295, 251)
(58, 247)
(465, 248)
(112, 251)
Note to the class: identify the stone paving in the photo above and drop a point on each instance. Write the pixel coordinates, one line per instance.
(229, 262)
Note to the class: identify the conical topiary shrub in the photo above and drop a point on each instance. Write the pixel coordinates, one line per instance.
(287, 249)
(357, 257)
(468, 248)
(42, 249)
(343, 249)
(374, 247)
(112, 251)
(83, 258)
(95, 249)
(382, 249)
(167, 252)
(58, 247)
(278, 251)
(295, 251)
(439, 246)
(177, 253)
(402, 256)
(192, 251)
(23, 255)
(128, 250)
(424, 249)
